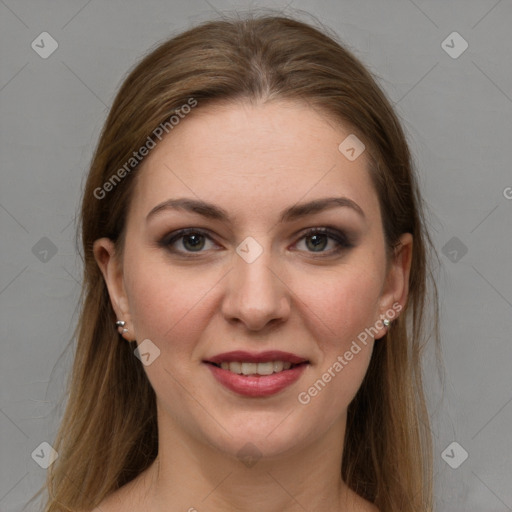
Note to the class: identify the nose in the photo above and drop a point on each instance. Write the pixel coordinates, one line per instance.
(256, 295)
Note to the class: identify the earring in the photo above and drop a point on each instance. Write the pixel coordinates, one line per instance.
(122, 323)
(386, 322)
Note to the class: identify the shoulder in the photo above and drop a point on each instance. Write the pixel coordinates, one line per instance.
(115, 502)
(359, 504)
(131, 496)
(365, 506)
(121, 500)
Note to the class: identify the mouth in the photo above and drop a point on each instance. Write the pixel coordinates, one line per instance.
(264, 368)
(257, 375)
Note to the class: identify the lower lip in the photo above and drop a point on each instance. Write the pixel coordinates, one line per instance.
(257, 385)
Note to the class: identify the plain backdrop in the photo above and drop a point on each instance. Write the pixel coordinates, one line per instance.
(455, 103)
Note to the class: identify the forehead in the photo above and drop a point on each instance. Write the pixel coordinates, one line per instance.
(254, 159)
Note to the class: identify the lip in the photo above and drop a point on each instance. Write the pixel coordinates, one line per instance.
(257, 357)
(257, 385)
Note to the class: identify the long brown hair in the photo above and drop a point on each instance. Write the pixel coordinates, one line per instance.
(108, 433)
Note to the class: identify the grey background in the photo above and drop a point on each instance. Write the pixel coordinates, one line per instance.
(457, 114)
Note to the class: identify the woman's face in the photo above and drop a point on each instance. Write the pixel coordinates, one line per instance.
(282, 266)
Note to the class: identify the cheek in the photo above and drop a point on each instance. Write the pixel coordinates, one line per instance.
(341, 303)
(165, 303)
(344, 307)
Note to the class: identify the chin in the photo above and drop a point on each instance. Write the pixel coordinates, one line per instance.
(243, 446)
(262, 435)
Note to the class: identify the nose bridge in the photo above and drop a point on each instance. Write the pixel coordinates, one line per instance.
(255, 295)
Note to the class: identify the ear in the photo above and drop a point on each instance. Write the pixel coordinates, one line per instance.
(396, 287)
(109, 264)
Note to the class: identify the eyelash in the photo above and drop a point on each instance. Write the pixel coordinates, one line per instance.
(339, 237)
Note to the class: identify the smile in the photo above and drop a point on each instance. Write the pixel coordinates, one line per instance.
(268, 368)
(256, 375)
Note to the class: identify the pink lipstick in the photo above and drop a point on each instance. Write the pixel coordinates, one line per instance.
(257, 374)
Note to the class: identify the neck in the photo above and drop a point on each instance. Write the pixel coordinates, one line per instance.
(192, 476)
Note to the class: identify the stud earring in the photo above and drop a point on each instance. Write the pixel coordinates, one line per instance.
(386, 322)
(122, 323)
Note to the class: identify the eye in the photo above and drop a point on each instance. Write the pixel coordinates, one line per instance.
(317, 240)
(186, 241)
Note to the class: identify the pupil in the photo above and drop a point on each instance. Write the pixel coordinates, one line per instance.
(196, 241)
(318, 240)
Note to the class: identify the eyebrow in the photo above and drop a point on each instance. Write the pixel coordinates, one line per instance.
(294, 212)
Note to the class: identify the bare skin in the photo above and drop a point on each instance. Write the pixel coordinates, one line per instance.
(196, 300)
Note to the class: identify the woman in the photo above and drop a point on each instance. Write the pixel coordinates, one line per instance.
(255, 277)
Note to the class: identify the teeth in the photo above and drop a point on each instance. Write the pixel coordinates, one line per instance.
(278, 366)
(235, 367)
(268, 368)
(249, 368)
(265, 368)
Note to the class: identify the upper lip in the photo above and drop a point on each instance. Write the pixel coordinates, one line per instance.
(256, 357)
